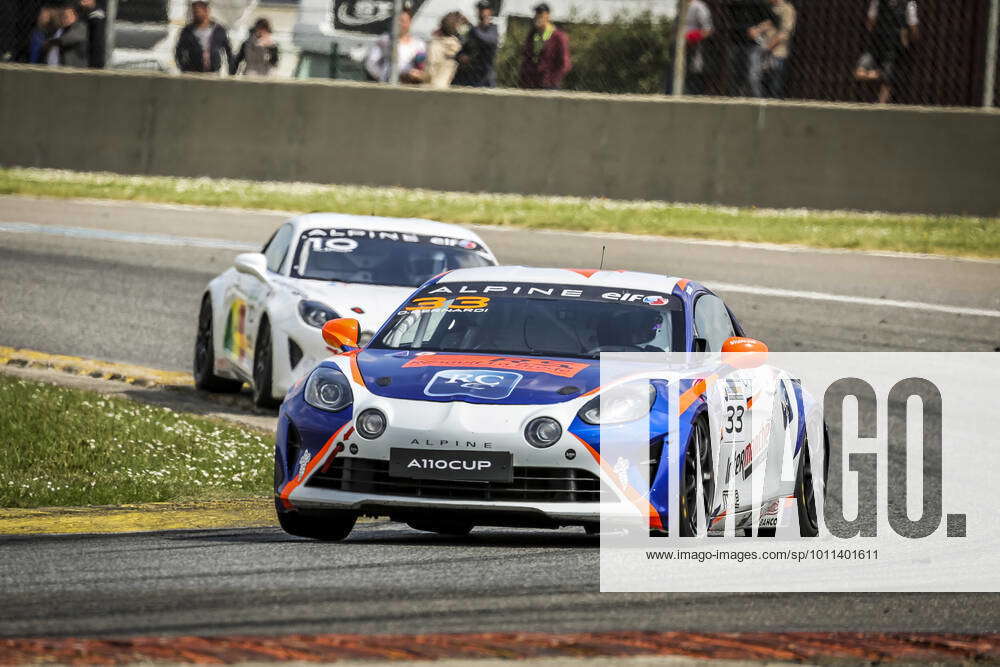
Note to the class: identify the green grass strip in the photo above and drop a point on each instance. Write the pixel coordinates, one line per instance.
(70, 447)
(948, 235)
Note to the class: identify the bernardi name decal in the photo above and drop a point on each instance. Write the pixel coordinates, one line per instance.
(566, 369)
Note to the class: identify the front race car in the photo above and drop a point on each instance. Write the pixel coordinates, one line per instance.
(476, 404)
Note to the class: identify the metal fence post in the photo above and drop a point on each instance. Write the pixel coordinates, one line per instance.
(680, 53)
(111, 15)
(397, 9)
(989, 80)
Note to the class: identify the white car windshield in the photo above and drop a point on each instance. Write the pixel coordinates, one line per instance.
(528, 319)
(382, 257)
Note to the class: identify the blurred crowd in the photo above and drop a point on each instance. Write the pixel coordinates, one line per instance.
(70, 34)
(767, 47)
(462, 54)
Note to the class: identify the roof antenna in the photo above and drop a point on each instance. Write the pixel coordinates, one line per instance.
(603, 248)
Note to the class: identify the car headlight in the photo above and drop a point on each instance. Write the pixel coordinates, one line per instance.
(370, 424)
(316, 314)
(542, 432)
(328, 389)
(621, 404)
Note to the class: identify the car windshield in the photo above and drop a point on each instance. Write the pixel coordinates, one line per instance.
(524, 319)
(382, 257)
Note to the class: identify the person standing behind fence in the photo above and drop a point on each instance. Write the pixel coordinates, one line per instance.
(96, 26)
(477, 60)
(45, 26)
(443, 48)
(68, 46)
(202, 43)
(894, 25)
(259, 53)
(769, 57)
(410, 54)
(545, 59)
(697, 28)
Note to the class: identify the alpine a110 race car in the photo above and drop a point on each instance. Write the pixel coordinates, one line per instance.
(260, 320)
(479, 402)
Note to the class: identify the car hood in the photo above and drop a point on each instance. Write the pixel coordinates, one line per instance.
(377, 301)
(476, 378)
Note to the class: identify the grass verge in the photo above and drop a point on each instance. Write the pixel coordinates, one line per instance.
(68, 447)
(949, 235)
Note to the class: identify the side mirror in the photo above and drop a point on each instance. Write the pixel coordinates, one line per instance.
(741, 352)
(341, 332)
(252, 263)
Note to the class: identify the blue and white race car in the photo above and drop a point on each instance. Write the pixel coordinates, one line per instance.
(479, 402)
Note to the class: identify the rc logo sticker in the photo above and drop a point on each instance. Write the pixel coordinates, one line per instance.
(479, 383)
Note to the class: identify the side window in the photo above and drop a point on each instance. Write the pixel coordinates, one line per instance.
(277, 248)
(712, 321)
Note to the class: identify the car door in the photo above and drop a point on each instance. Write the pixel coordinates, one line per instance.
(733, 400)
(246, 302)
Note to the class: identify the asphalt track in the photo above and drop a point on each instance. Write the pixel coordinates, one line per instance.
(136, 302)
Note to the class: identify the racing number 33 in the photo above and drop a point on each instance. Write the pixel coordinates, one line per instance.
(459, 303)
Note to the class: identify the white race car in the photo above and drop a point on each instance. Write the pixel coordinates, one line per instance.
(260, 321)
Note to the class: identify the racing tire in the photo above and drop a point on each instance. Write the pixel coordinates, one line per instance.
(330, 526)
(204, 355)
(699, 447)
(805, 499)
(805, 495)
(452, 528)
(263, 368)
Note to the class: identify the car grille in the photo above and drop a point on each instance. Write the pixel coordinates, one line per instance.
(532, 484)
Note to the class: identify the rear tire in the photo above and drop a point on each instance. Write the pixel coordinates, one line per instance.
(805, 500)
(330, 526)
(805, 495)
(263, 368)
(452, 528)
(204, 355)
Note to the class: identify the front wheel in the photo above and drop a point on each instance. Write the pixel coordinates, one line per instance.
(330, 526)
(697, 474)
(204, 356)
(263, 368)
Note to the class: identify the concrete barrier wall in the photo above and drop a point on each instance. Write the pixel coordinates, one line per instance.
(722, 152)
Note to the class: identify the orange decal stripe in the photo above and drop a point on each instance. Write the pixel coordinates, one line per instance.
(566, 369)
(317, 460)
(633, 496)
(682, 283)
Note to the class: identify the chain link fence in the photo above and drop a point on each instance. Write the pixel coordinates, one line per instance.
(930, 52)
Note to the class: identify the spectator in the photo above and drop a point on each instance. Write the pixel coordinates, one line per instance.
(259, 53)
(443, 49)
(202, 43)
(769, 56)
(68, 46)
(410, 54)
(894, 25)
(545, 57)
(477, 60)
(697, 28)
(96, 26)
(45, 27)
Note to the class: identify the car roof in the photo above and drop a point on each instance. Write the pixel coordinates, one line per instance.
(411, 225)
(619, 279)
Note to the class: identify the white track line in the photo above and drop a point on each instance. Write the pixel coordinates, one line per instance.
(190, 241)
(126, 237)
(856, 300)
